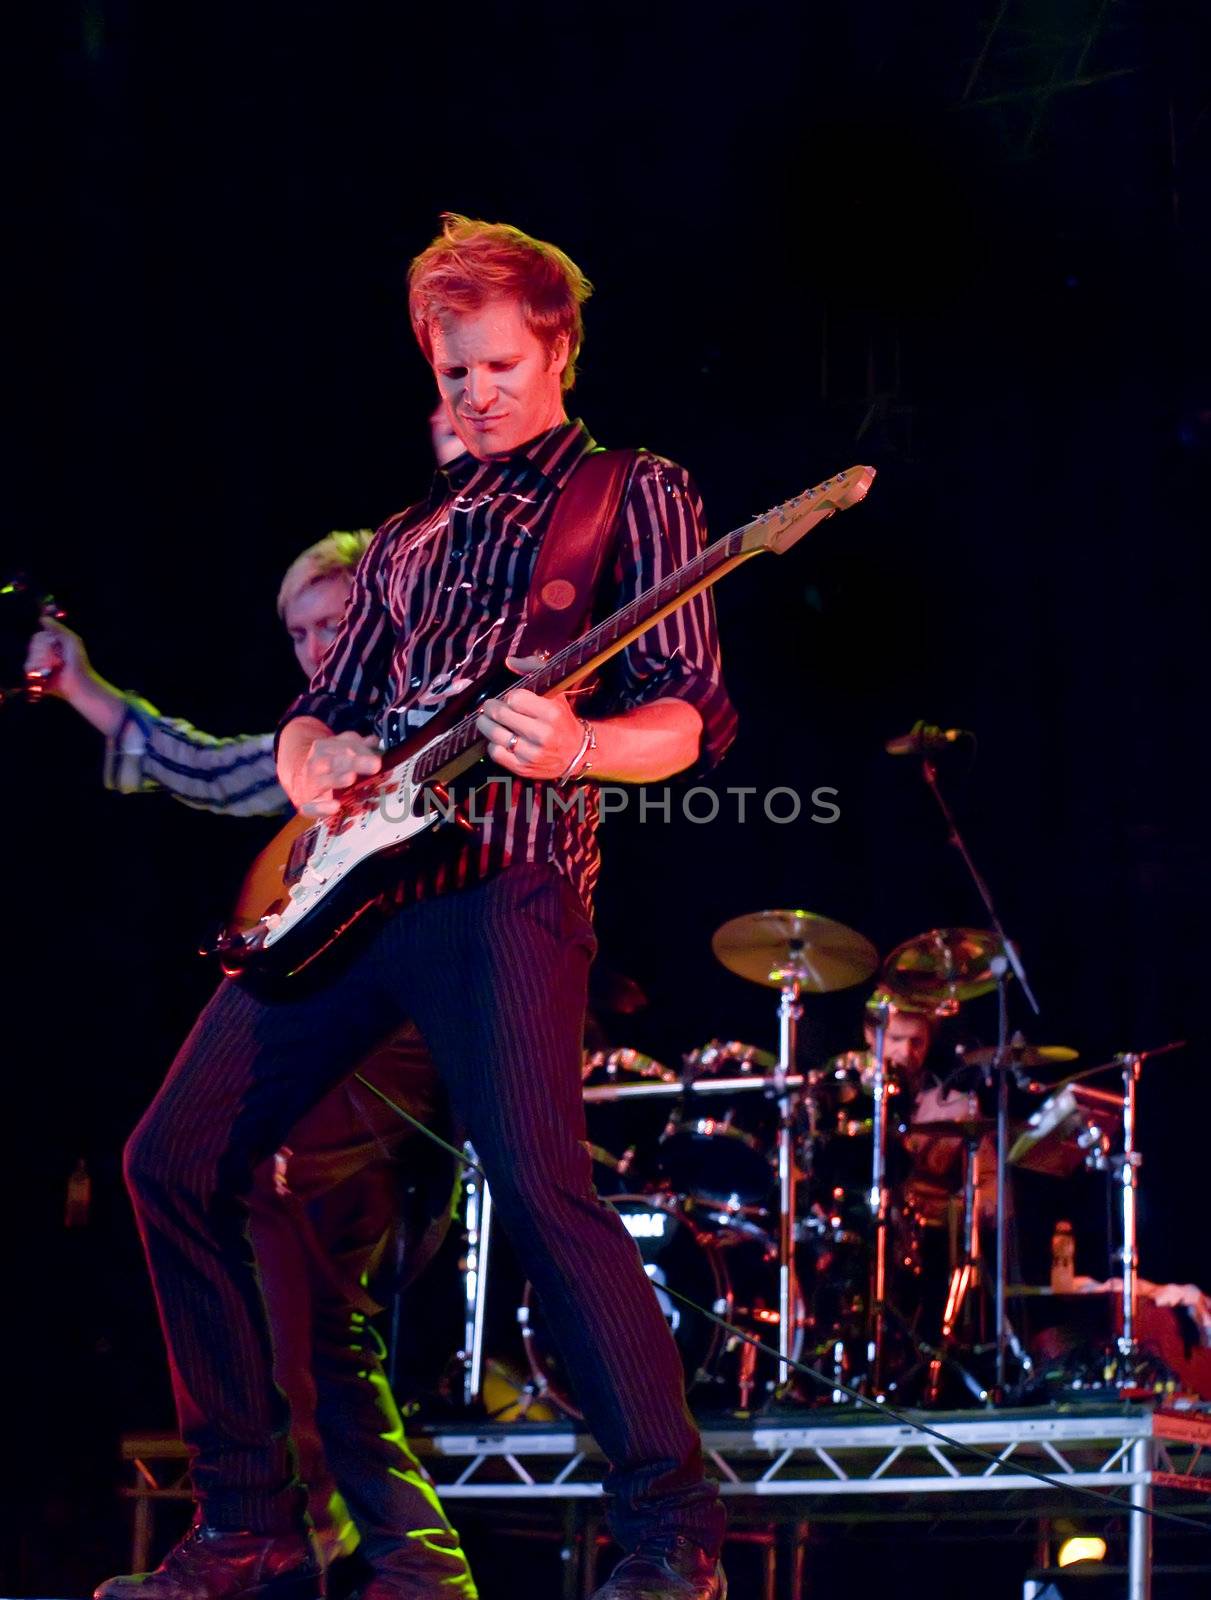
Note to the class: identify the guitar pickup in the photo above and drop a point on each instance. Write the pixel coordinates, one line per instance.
(300, 854)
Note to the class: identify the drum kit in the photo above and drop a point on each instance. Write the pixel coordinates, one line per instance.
(784, 1200)
(787, 1213)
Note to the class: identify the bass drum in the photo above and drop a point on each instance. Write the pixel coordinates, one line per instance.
(673, 1253)
(729, 1270)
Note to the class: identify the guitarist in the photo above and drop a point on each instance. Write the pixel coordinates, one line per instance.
(487, 949)
(324, 1210)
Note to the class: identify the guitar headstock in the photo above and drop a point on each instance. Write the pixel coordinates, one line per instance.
(782, 527)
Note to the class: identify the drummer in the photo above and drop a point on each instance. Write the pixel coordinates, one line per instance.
(935, 1182)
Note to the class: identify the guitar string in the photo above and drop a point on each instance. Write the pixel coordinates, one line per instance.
(462, 736)
(459, 738)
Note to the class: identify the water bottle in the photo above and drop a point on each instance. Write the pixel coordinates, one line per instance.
(1063, 1259)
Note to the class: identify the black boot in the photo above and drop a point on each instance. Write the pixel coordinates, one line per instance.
(672, 1568)
(218, 1564)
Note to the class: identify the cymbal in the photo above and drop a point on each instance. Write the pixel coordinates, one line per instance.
(768, 947)
(1026, 1055)
(943, 964)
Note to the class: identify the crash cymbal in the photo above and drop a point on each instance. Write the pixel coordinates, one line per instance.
(1025, 1055)
(769, 947)
(943, 964)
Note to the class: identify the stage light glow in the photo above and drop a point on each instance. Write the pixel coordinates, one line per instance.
(1080, 1548)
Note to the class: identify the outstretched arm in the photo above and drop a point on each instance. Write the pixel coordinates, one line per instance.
(145, 750)
(57, 656)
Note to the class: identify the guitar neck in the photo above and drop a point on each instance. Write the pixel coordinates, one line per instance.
(463, 744)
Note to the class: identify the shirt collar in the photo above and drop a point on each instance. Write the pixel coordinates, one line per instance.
(552, 454)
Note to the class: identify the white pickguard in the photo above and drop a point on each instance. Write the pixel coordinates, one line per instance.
(382, 820)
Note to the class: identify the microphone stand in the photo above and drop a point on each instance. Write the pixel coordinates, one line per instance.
(1009, 961)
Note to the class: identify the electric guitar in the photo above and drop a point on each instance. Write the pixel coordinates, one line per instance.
(317, 876)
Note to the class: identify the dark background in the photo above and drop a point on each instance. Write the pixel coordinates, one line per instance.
(973, 255)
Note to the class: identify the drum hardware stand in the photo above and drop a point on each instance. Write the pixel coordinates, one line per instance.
(475, 1276)
(879, 1199)
(795, 952)
(964, 1290)
(790, 1009)
(1007, 962)
(1126, 1168)
(1131, 1364)
(1129, 1165)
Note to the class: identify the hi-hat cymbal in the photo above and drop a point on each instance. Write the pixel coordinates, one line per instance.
(1023, 1055)
(769, 947)
(944, 964)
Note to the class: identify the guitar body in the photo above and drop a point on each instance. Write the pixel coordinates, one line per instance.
(318, 876)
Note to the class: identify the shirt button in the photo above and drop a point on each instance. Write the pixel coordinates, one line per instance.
(457, 555)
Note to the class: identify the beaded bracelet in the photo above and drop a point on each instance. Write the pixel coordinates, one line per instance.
(582, 761)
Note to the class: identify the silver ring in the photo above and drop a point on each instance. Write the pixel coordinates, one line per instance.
(512, 744)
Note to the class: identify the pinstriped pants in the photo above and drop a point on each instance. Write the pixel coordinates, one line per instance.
(494, 976)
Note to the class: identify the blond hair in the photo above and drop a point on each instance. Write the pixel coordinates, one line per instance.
(471, 263)
(336, 553)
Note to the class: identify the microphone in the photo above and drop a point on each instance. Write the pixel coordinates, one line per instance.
(923, 739)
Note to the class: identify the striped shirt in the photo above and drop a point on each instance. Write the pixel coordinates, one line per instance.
(439, 601)
(236, 776)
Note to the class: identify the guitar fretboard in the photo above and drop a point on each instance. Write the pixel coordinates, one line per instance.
(594, 645)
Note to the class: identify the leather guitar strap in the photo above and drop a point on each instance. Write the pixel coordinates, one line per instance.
(573, 551)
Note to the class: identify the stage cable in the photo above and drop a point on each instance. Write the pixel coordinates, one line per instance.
(880, 1407)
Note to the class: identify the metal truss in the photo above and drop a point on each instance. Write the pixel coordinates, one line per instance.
(822, 1467)
(821, 1460)
(849, 1470)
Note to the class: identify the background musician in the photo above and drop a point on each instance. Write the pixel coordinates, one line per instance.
(327, 1209)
